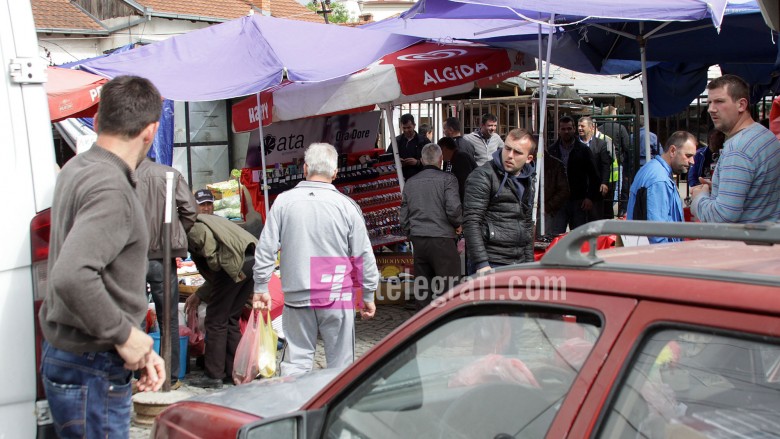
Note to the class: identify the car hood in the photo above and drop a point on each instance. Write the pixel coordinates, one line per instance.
(273, 396)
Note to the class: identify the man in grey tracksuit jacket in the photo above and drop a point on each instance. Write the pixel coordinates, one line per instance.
(430, 216)
(326, 256)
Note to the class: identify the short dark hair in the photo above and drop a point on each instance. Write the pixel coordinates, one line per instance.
(452, 123)
(128, 104)
(736, 87)
(566, 119)
(488, 117)
(425, 129)
(447, 142)
(406, 118)
(678, 139)
(521, 134)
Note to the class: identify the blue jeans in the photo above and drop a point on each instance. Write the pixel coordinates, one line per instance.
(89, 394)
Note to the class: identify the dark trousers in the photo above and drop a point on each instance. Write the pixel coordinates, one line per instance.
(608, 209)
(437, 265)
(574, 215)
(222, 315)
(154, 276)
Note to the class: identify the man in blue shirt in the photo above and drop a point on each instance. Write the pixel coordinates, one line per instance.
(654, 195)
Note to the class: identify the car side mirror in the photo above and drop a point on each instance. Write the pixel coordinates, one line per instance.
(297, 425)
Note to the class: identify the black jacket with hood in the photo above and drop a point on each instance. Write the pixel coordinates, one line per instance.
(498, 223)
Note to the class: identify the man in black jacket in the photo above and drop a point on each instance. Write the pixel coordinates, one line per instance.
(580, 173)
(498, 206)
(410, 144)
(431, 216)
(602, 161)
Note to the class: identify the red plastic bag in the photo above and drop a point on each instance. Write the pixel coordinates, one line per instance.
(197, 343)
(494, 368)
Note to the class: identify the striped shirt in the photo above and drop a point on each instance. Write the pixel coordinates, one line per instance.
(746, 181)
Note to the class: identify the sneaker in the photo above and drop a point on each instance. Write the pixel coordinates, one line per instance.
(176, 385)
(206, 383)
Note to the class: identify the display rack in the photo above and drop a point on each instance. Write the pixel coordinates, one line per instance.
(379, 197)
(374, 187)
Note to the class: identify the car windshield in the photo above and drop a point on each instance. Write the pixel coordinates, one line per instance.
(473, 376)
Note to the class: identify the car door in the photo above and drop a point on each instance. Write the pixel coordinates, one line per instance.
(688, 372)
(473, 367)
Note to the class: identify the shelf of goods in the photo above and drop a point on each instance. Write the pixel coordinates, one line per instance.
(374, 188)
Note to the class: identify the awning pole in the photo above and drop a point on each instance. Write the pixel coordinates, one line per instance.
(388, 109)
(262, 157)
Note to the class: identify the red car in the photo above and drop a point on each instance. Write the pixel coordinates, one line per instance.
(665, 341)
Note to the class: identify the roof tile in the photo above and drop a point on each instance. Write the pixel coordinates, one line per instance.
(61, 14)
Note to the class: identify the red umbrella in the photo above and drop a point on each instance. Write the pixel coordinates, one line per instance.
(72, 93)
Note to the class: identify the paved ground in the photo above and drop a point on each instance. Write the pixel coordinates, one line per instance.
(368, 333)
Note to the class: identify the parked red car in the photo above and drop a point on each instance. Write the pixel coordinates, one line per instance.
(678, 340)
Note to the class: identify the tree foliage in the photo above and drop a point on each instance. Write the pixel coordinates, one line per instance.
(338, 14)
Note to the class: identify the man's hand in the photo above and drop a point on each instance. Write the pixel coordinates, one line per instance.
(192, 302)
(152, 375)
(604, 189)
(703, 188)
(261, 301)
(137, 350)
(411, 161)
(484, 269)
(368, 311)
(586, 204)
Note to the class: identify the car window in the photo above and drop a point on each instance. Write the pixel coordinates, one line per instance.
(472, 376)
(698, 384)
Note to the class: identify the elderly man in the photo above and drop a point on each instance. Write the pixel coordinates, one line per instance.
(485, 141)
(498, 220)
(653, 195)
(749, 164)
(326, 256)
(431, 216)
(602, 162)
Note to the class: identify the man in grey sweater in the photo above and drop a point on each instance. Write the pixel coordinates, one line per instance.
(326, 256)
(485, 141)
(431, 216)
(96, 294)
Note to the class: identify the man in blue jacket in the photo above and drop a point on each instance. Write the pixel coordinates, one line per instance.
(654, 195)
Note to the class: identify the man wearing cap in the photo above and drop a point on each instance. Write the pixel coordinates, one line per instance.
(205, 200)
(224, 255)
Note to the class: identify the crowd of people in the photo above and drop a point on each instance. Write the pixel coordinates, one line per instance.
(106, 234)
(734, 178)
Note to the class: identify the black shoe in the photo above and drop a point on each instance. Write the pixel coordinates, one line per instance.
(206, 383)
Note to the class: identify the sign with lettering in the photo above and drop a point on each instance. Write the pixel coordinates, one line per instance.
(285, 141)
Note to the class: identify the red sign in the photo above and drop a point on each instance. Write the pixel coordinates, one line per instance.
(246, 114)
(428, 67)
(72, 93)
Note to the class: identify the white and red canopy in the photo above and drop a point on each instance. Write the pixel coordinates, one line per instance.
(418, 72)
(72, 93)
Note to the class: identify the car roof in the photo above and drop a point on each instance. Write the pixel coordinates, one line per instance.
(701, 255)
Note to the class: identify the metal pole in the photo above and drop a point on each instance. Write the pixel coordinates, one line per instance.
(165, 331)
(388, 109)
(262, 156)
(645, 102)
